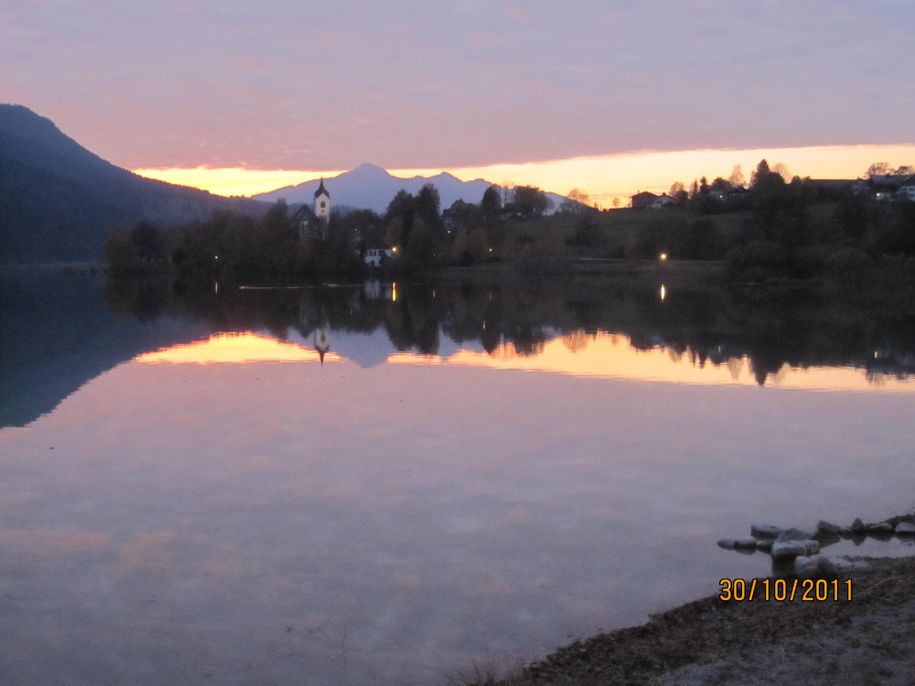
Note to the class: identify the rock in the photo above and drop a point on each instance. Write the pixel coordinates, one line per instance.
(806, 567)
(796, 535)
(858, 526)
(783, 550)
(764, 531)
(824, 527)
(809, 567)
(828, 567)
(764, 545)
(905, 529)
(880, 528)
(745, 544)
(726, 543)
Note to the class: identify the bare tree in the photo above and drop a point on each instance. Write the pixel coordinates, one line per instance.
(737, 179)
(878, 169)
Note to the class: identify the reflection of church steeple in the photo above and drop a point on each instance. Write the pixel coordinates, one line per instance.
(322, 342)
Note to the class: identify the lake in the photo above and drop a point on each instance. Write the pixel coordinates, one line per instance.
(384, 483)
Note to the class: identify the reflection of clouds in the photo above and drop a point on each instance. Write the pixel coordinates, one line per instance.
(518, 514)
(53, 541)
(147, 550)
(575, 503)
(405, 580)
(489, 587)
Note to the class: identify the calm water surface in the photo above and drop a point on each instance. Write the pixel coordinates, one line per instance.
(381, 484)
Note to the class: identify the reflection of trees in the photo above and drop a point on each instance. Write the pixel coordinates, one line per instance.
(703, 325)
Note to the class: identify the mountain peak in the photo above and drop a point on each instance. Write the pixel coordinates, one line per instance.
(368, 167)
(371, 187)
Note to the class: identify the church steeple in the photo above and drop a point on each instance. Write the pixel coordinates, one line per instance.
(322, 203)
(322, 342)
(321, 189)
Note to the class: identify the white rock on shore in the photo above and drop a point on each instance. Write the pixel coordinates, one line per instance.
(785, 550)
(813, 566)
(905, 529)
(793, 534)
(806, 567)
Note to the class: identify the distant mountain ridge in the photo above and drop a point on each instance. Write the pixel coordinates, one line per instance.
(58, 200)
(371, 187)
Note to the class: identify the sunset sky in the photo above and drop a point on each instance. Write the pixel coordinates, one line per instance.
(610, 97)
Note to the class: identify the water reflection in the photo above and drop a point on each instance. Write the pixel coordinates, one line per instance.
(240, 348)
(58, 334)
(460, 480)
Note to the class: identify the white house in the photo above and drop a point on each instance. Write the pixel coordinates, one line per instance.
(322, 203)
(374, 257)
(660, 202)
(907, 190)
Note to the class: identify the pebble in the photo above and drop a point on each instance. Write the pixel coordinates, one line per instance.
(880, 528)
(726, 543)
(905, 529)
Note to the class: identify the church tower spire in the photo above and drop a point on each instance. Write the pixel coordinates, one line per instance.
(322, 203)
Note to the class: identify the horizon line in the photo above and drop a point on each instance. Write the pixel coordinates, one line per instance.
(610, 176)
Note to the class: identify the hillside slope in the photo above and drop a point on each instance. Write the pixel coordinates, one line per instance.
(58, 200)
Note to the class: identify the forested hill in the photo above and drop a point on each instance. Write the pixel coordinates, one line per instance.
(58, 201)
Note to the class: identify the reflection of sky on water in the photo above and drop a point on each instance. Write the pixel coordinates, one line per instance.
(402, 519)
(599, 355)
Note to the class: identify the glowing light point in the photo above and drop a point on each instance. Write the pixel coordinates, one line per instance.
(663, 257)
(663, 293)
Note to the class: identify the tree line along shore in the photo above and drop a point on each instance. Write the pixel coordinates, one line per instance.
(770, 230)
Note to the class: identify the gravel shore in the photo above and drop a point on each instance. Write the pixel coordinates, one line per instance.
(870, 640)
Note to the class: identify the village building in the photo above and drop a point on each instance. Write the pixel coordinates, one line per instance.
(907, 190)
(641, 200)
(376, 256)
(661, 202)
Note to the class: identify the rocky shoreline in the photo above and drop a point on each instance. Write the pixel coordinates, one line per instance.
(796, 552)
(869, 640)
